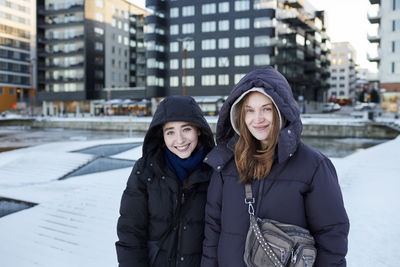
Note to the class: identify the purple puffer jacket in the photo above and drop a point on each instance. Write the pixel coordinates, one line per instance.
(302, 187)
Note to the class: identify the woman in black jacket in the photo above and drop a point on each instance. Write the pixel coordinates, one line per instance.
(258, 139)
(162, 207)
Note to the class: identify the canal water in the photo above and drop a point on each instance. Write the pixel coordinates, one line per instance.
(18, 137)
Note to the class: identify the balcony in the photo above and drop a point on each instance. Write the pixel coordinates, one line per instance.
(373, 38)
(374, 17)
(59, 25)
(60, 40)
(374, 58)
(295, 3)
(41, 10)
(373, 2)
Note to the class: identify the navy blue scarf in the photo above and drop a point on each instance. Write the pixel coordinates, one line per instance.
(183, 167)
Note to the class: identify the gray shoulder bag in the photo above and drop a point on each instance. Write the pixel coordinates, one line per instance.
(273, 244)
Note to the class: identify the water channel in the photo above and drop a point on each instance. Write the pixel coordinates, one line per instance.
(18, 137)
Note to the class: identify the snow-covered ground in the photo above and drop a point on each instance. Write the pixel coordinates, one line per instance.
(74, 223)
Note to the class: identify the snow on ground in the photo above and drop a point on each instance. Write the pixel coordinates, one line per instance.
(74, 223)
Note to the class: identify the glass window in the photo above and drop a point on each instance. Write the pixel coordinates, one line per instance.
(174, 81)
(174, 64)
(208, 62)
(174, 12)
(99, 31)
(242, 42)
(242, 5)
(208, 80)
(223, 25)
(174, 29)
(261, 60)
(189, 45)
(98, 46)
(223, 79)
(208, 44)
(263, 22)
(223, 62)
(223, 7)
(208, 26)
(238, 77)
(174, 47)
(99, 17)
(188, 11)
(242, 60)
(263, 4)
(208, 9)
(189, 63)
(261, 41)
(223, 43)
(241, 24)
(189, 80)
(187, 28)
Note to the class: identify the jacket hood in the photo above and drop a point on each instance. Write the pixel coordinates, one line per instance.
(277, 88)
(177, 108)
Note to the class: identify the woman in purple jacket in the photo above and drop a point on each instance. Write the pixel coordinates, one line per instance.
(258, 138)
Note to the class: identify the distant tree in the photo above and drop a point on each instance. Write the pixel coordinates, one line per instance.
(374, 96)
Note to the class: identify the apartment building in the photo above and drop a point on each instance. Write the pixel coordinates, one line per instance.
(343, 72)
(17, 54)
(205, 47)
(88, 51)
(386, 18)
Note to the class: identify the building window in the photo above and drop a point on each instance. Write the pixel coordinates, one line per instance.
(333, 78)
(98, 46)
(242, 42)
(188, 11)
(223, 79)
(189, 80)
(99, 17)
(341, 93)
(187, 28)
(189, 63)
(174, 29)
(242, 60)
(263, 22)
(98, 31)
(174, 12)
(174, 81)
(393, 67)
(396, 4)
(223, 25)
(341, 85)
(238, 77)
(223, 7)
(342, 70)
(174, 47)
(242, 5)
(1, 91)
(261, 60)
(341, 78)
(223, 62)
(174, 64)
(208, 9)
(208, 80)
(208, 62)
(242, 24)
(223, 43)
(261, 41)
(208, 44)
(396, 25)
(263, 4)
(208, 26)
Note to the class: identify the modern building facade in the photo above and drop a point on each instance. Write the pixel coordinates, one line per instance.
(204, 48)
(343, 72)
(17, 54)
(88, 50)
(387, 38)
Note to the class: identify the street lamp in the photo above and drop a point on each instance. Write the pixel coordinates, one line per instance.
(184, 43)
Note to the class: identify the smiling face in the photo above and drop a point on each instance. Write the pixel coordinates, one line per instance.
(259, 116)
(181, 138)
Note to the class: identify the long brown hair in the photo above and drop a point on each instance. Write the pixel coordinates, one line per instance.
(251, 160)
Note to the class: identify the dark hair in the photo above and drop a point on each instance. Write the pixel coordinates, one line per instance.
(251, 160)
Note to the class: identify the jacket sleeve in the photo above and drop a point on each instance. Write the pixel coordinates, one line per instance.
(132, 223)
(212, 221)
(327, 216)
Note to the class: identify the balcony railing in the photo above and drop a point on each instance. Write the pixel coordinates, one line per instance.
(375, 2)
(373, 38)
(374, 17)
(374, 58)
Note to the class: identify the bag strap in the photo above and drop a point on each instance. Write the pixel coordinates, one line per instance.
(249, 200)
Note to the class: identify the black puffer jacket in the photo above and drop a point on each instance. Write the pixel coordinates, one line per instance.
(150, 228)
(301, 189)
